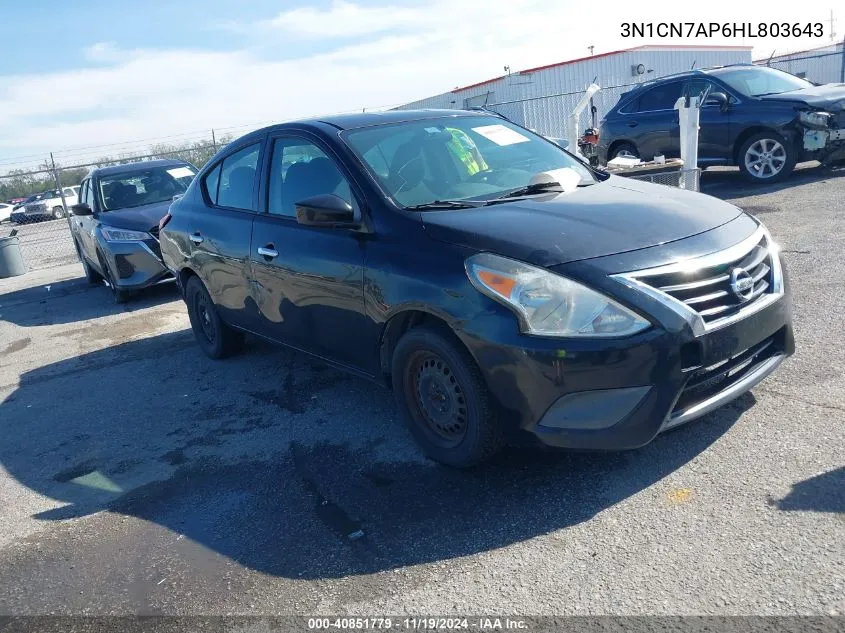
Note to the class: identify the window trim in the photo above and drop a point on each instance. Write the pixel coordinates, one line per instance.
(261, 141)
(309, 137)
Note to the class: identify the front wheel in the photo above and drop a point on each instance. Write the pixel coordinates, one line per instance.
(58, 213)
(215, 338)
(444, 399)
(766, 157)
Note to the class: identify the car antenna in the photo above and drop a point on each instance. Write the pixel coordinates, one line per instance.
(693, 65)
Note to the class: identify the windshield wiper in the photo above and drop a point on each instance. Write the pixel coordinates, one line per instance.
(445, 204)
(537, 187)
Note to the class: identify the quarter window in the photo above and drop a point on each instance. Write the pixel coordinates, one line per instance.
(298, 170)
(237, 178)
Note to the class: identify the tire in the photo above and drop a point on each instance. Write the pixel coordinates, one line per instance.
(765, 157)
(215, 338)
(118, 296)
(624, 149)
(91, 276)
(444, 399)
(58, 213)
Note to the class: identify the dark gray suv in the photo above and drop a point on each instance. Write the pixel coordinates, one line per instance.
(757, 118)
(115, 223)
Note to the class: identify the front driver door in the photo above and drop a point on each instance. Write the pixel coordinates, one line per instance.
(309, 281)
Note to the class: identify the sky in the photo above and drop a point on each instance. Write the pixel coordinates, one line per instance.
(92, 77)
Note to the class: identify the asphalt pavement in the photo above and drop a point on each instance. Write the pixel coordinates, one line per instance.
(138, 476)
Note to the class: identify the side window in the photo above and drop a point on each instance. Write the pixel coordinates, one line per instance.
(237, 178)
(661, 97)
(211, 182)
(298, 170)
(85, 194)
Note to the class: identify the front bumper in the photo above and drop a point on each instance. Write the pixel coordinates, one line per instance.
(619, 394)
(134, 265)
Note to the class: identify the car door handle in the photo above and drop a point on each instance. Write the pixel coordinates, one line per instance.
(268, 251)
(196, 238)
(633, 124)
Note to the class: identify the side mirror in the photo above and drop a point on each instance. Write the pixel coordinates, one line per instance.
(718, 98)
(81, 209)
(326, 210)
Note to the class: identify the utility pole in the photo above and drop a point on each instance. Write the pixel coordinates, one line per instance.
(591, 50)
(214, 140)
(59, 186)
(832, 30)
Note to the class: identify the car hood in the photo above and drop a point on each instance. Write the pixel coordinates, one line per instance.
(136, 218)
(824, 96)
(614, 216)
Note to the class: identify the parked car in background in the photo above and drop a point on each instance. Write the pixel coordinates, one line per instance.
(760, 119)
(50, 205)
(29, 210)
(15, 201)
(115, 223)
(5, 212)
(499, 285)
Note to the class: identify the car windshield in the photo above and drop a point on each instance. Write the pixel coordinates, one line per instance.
(138, 187)
(454, 158)
(760, 81)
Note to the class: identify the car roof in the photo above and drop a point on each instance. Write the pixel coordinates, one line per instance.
(139, 166)
(714, 70)
(369, 119)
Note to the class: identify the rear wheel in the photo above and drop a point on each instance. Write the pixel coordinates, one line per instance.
(766, 157)
(626, 150)
(215, 338)
(444, 399)
(58, 213)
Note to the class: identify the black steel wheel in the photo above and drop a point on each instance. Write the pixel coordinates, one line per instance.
(215, 338)
(444, 399)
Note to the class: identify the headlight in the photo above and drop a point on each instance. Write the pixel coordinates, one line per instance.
(548, 304)
(123, 235)
(815, 119)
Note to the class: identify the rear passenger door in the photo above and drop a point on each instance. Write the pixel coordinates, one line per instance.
(219, 226)
(653, 121)
(309, 281)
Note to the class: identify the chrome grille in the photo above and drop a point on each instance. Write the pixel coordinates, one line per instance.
(709, 291)
(715, 290)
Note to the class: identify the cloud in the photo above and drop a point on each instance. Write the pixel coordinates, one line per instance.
(369, 56)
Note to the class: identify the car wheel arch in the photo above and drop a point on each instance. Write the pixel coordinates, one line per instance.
(617, 143)
(756, 129)
(403, 320)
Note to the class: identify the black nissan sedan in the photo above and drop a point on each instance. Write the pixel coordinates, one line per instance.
(115, 223)
(502, 288)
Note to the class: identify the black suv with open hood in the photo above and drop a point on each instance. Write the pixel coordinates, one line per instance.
(501, 287)
(761, 119)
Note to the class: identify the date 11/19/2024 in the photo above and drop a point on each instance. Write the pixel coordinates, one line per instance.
(418, 623)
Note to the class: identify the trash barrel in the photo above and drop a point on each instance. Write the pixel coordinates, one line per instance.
(11, 260)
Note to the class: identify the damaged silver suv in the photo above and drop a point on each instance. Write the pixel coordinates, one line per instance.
(757, 118)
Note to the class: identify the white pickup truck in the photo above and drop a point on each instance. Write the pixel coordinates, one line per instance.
(49, 205)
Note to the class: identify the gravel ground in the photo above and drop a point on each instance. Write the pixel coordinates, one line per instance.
(137, 476)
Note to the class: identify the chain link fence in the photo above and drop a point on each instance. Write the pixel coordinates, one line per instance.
(824, 66)
(41, 221)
